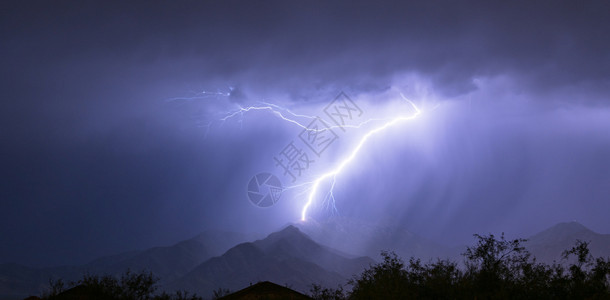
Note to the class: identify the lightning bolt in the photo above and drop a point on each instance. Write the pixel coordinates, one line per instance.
(288, 116)
(282, 113)
(347, 160)
(202, 95)
(273, 109)
(277, 111)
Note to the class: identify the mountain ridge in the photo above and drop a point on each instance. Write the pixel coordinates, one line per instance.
(287, 257)
(290, 254)
(548, 245)
(360, 238)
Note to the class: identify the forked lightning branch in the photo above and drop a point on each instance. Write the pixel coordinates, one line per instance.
(318, 133)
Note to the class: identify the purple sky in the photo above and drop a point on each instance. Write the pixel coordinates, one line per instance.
(97, 158)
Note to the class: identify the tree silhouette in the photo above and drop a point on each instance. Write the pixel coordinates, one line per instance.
(129, 286)
(495, 268)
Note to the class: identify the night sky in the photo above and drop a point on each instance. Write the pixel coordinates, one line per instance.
(113, 139)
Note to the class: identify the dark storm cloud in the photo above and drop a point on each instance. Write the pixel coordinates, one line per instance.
(271, 45)
(89, 139)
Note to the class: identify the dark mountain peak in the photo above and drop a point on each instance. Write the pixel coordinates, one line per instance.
(289, 232)
(562, 235)
(290, 229)
(571, 226)
(361, 237)
(243, 250)
(548, 245)
(567, 229)
(289, 237)
(286, 256)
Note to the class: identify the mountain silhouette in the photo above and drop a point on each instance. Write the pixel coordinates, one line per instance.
(368, 239)
(548, 245)
(326, 253)
(166, 263)
(288, 257)
(169, 263)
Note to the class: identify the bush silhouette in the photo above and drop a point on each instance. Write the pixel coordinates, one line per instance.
(129, 286)
(494, 268)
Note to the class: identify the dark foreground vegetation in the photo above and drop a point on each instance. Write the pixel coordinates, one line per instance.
(494, 268)
(130, 286)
